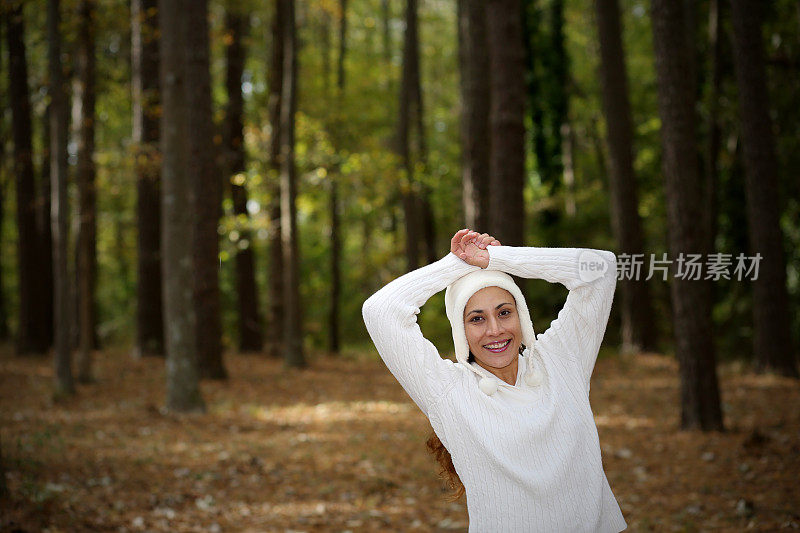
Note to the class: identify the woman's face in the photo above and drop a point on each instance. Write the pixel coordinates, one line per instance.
(493, 330)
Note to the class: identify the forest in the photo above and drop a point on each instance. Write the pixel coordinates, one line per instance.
(197, 197)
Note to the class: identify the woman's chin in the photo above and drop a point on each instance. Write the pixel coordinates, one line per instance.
(497, 360)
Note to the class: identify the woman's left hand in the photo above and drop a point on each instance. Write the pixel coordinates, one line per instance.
(470, 246)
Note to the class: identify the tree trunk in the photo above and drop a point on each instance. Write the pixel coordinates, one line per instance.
(292, 321)
(250, 338)
(418, 214)
(475, 96)
(409, 196)
(177, 213)
(87, 231)
(44, 227)
(274, 329)
(638, 325)
(4, 334)
(557, 65)
(507, 130)
(772, 341)
(204, 170)
(146, 109)
(335, 295)
(691, 302)
(58, 179)
(3, 486)
(30, 336)
(714, 131)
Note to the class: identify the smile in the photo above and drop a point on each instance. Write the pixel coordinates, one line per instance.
(497, 347)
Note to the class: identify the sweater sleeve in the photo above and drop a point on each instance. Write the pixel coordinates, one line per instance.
(590, 276)
(391, 319)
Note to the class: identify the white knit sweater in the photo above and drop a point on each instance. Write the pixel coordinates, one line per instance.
(529, 457)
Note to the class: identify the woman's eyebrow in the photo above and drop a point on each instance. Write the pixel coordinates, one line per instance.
(481, 310)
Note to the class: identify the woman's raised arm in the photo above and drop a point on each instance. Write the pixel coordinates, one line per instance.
(591, 277)
(391, 319)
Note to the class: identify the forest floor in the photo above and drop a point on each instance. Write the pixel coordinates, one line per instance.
(340, 447)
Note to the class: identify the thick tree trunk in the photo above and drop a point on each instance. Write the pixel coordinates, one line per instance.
(691, 302)
(772, 343)
(475, 97)
(418, 214)
(146, 110)
(274, 329)
(87, 230)
(507, 130)
(177, 213)
(250, 338)
(58, 203)
(4, 333)
(638, 325)
(30, 334)
(292, 320)
(204, 170)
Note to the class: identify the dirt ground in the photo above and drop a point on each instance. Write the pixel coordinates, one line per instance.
(340, 447)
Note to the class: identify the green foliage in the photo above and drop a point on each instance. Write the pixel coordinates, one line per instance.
(347, 138)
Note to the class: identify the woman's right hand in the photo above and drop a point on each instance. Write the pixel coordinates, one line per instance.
(470, 246)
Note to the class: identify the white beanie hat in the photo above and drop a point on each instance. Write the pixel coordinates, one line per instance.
(461, 290)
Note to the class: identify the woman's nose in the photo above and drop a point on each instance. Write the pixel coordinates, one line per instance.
(494, 327)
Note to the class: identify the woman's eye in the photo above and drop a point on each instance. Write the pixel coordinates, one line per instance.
(476, 319)
(505, 312)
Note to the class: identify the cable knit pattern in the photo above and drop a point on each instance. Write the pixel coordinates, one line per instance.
(529, 456)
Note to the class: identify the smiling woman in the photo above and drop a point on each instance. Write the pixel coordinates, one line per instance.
(493, 332)
(513, 427)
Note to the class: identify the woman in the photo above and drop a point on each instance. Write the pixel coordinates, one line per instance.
(513, 412)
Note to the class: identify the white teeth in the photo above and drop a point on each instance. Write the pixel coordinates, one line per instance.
(496, 345)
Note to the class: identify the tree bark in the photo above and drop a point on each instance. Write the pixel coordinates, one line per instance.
(4, 333)
(177, 214)
(475, 97)
(3, 486)
(30, 335)
(335, 295)
(146, 110)
(250, 337)
(58, 179)
(204, 170)
(274, 329)
(772, 342)
(714, 130)
(691, 302)
(638, 325)
(417, 211)
(292, 320)
(44, 227)
(507, 130)
(409, 196)
(87, 230)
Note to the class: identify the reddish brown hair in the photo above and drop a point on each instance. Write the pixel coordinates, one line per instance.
(447, 471)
